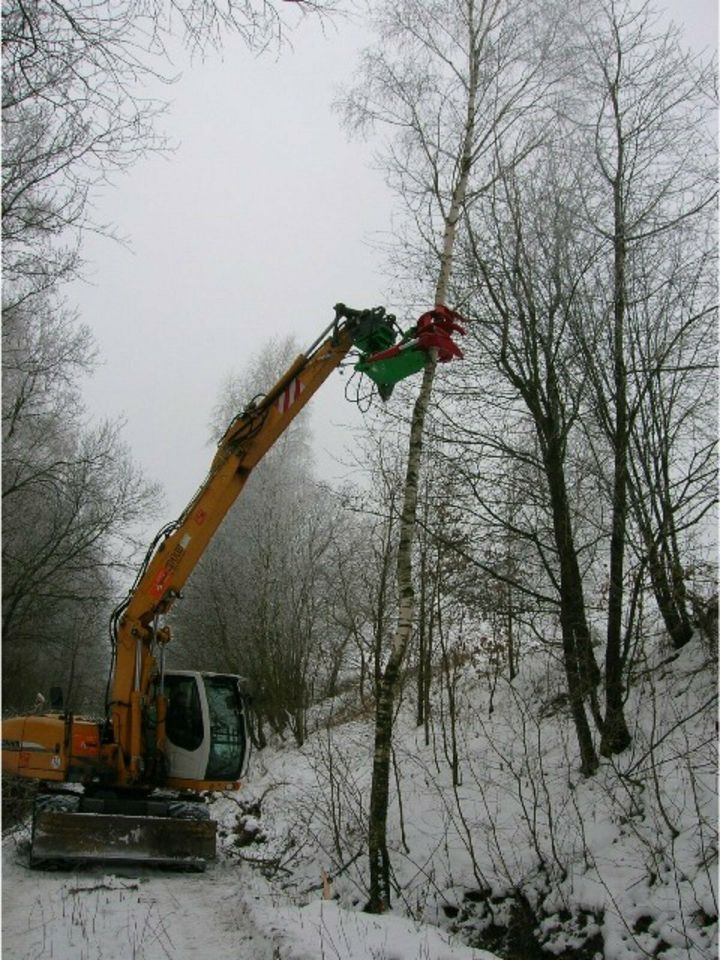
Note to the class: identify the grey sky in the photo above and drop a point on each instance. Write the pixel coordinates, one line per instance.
(254, 227)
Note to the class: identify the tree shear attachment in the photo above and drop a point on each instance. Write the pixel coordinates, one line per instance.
(432, 332)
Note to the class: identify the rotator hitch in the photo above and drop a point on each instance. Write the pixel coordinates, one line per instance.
(374, 333)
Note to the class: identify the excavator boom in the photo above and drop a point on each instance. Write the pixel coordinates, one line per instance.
(245, 442)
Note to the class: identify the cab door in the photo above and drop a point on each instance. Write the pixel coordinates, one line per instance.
(229, 740)
(187, 744)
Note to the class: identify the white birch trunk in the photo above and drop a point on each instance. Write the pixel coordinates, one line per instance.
(379, 899)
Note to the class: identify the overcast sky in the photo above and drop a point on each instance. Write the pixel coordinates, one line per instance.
(261, 219)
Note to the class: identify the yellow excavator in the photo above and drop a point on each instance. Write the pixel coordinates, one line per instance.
(132, 787)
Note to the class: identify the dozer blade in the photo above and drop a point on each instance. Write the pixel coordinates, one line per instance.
(141, 840)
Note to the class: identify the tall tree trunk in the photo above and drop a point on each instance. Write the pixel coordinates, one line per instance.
(510, 630)
(423, 661)
(615, 734)
(379, 899)
(663, 558)
(581, 679)
(669, 589)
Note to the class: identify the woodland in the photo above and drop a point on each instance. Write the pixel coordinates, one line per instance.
(547, 503)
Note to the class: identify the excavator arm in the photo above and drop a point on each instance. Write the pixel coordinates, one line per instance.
(245, 442)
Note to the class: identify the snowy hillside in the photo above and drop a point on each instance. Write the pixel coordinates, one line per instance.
(520, 857)
(522, 853)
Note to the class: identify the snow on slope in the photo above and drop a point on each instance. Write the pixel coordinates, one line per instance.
(521, 853)
(325, 929)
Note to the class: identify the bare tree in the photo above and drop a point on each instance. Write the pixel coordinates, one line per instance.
(521, 250)
(449, 83)
(71, 499)
(643, 104)
(375, 558)
(75, 106)
(73, 110)
(594, 317)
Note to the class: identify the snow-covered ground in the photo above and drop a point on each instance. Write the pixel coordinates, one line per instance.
(229, 913)
(96, 915)
(520, 855)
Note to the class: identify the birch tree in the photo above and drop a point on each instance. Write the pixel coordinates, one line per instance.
(448, 82)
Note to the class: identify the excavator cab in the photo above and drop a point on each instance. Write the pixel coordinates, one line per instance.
(206, 729)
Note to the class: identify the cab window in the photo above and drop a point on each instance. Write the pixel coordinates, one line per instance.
(227, 728)
(184, 724)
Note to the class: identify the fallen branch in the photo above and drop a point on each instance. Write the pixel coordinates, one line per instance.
(105, 886)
